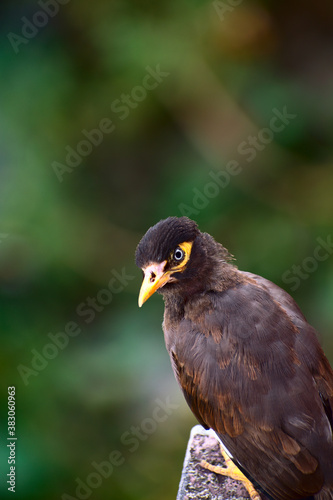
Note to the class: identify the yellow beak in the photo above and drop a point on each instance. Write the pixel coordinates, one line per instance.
(154, 278)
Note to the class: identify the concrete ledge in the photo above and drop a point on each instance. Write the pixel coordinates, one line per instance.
(198, 483)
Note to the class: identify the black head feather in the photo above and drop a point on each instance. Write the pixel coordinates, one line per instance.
(161, 239)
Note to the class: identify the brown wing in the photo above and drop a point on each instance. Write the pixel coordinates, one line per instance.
(251, 368)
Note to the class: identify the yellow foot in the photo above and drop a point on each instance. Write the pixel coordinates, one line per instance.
(232, 471)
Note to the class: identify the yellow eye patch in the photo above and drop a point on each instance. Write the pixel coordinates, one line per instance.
(186, 247)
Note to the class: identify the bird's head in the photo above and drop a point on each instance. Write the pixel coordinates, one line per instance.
(174, 254)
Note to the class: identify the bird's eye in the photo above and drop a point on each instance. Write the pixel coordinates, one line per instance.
(178, 254)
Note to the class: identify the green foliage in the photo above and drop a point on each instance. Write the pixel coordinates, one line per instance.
(64, 233)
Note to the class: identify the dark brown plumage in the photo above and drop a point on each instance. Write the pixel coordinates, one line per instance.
(248, 362)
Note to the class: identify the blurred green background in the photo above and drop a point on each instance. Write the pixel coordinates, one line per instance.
(70, 67)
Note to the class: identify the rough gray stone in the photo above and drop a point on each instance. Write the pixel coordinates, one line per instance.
(198, 483)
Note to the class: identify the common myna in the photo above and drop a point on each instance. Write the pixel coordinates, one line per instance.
(248, 362)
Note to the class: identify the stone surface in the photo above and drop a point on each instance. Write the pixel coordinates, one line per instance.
(199, 483)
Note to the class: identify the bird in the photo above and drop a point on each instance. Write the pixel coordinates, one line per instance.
(247, 361)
